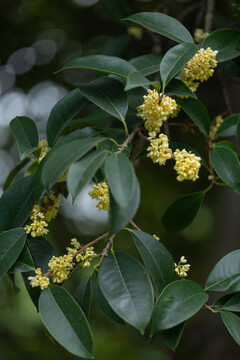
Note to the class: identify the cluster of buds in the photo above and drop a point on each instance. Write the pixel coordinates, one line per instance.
(200, 35)
(182, 268)
(101, 192)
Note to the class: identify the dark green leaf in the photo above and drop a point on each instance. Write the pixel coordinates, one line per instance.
(157, 259)
(83, 295)
(197, 113)
(226, 164)
(220, 302)
(97, 119)
(102, 63)
(25, 133)
(136, 79)
(174, 60)
(229, 126)
(147, 64)
(117, 9)
(16, 203)
(107, 93)
(127, 288)
(13, 173)
(232, 323)
(82, 172)
(24, 262)
(177, 87)
(172, 336)
(225, 275)
(11, 245)
(225, 145)
(62, 113)
(102, 302)
(238, 131)
(226, 41)
(65, 321)
(162, 24)
(182, 211)
(230, 302)
(116, 46)
(178, 302)
(41, 251)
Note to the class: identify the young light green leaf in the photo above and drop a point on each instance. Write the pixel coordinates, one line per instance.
(157, 259)
(11, 245)
(107, 93)
(229, 126)
(197, 113)
(174, 60)
(225, 275)
(182, 211)
(177, 87)
(172, 336)
(136, 79)
(226, 41)
(65, 321)
(226, 164)
(24, 262)
(62, 113)
(13, 173)
(127, 288)
(103, 63)
(232, 323)
(16, 203)
(162, 24)
(82, 172)
(147, 64)
(179, 301)
(25, 133)
(83, 295)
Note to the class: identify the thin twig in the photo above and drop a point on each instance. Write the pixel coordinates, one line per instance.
(209, 308)
(135, 225)
(209, 16)
(128, 140)
(106, 249)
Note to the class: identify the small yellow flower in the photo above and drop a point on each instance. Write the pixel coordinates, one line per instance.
(85, 258)
(200, 35)
(63, 176)
(135, 31)
(61, 267)
(159, 150)
(156, 237)
(45, 149)
(187, 165)
(38, 225)
(215, 126)
(101, 193)
(182, 268)
(39, 280)
(51, 204)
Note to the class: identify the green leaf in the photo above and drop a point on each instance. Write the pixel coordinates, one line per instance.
(182, 211)
(174, 60)
(226, 164)
(225, 275)
(11, 245)
(197, 113)
(225, 145)
(83, 295)
(24, 262)
(65, 321)
(25, 133)
(58, 159)
(147, 64)
(119, 218)
(230, 302)
(162, 24)
(117, 9)
(107, 93)
(62, 113)
(238, 131)
(226, 41)
(229, 126)
(136, 79)
(13, 173)
(120, 178)
(178, 302)
(16, 203)
(103, 63)
(102, 302)
(156, 258)
(172, 336)
(82, 172)
(232, 323)
(127, 287)
(97, 119)
(177, 87)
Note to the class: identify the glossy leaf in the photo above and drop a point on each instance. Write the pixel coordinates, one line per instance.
(226, 164)
(174, 60)
(177, 87)
(13, 173)
(107, 93)
(41, 251)
(157, 259)
(226, 145)
(25, 133)
(172, 336)
(97, 119)
(65, 321)
(226, 41)
(197, 113)
(24, 262)
(182, 211)
(82, 172)
(83, 295)
(232, 323)
(16, 203)
(136, 79)
(127, 287)
(120, 178)
(162, 24)
(230, 302)
(102, 302)
(11, 245)
(147, 64)
(62, 113)
(102, 63)
(229, 126)
(178, 302)
(225, 275)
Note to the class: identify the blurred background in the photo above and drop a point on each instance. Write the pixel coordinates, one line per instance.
(38, 37)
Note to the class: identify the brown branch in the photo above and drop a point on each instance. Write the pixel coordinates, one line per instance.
(128, 140)
(209, 16)
(106, 249)
(135, 225)
(209, 308)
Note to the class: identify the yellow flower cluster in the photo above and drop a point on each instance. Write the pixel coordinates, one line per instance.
(39, 280)
(215, 126)
(155, 109)
(199, 68)
(156, 237)
(61, 267)
(159, 150)
(200, 35)
(45, 149)
(135, 31)
(38, 225)
(176, 111)
(51, 204)
(85, 258)
(63, 176)
(101, 193)
(182, 268)
(187, 165)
